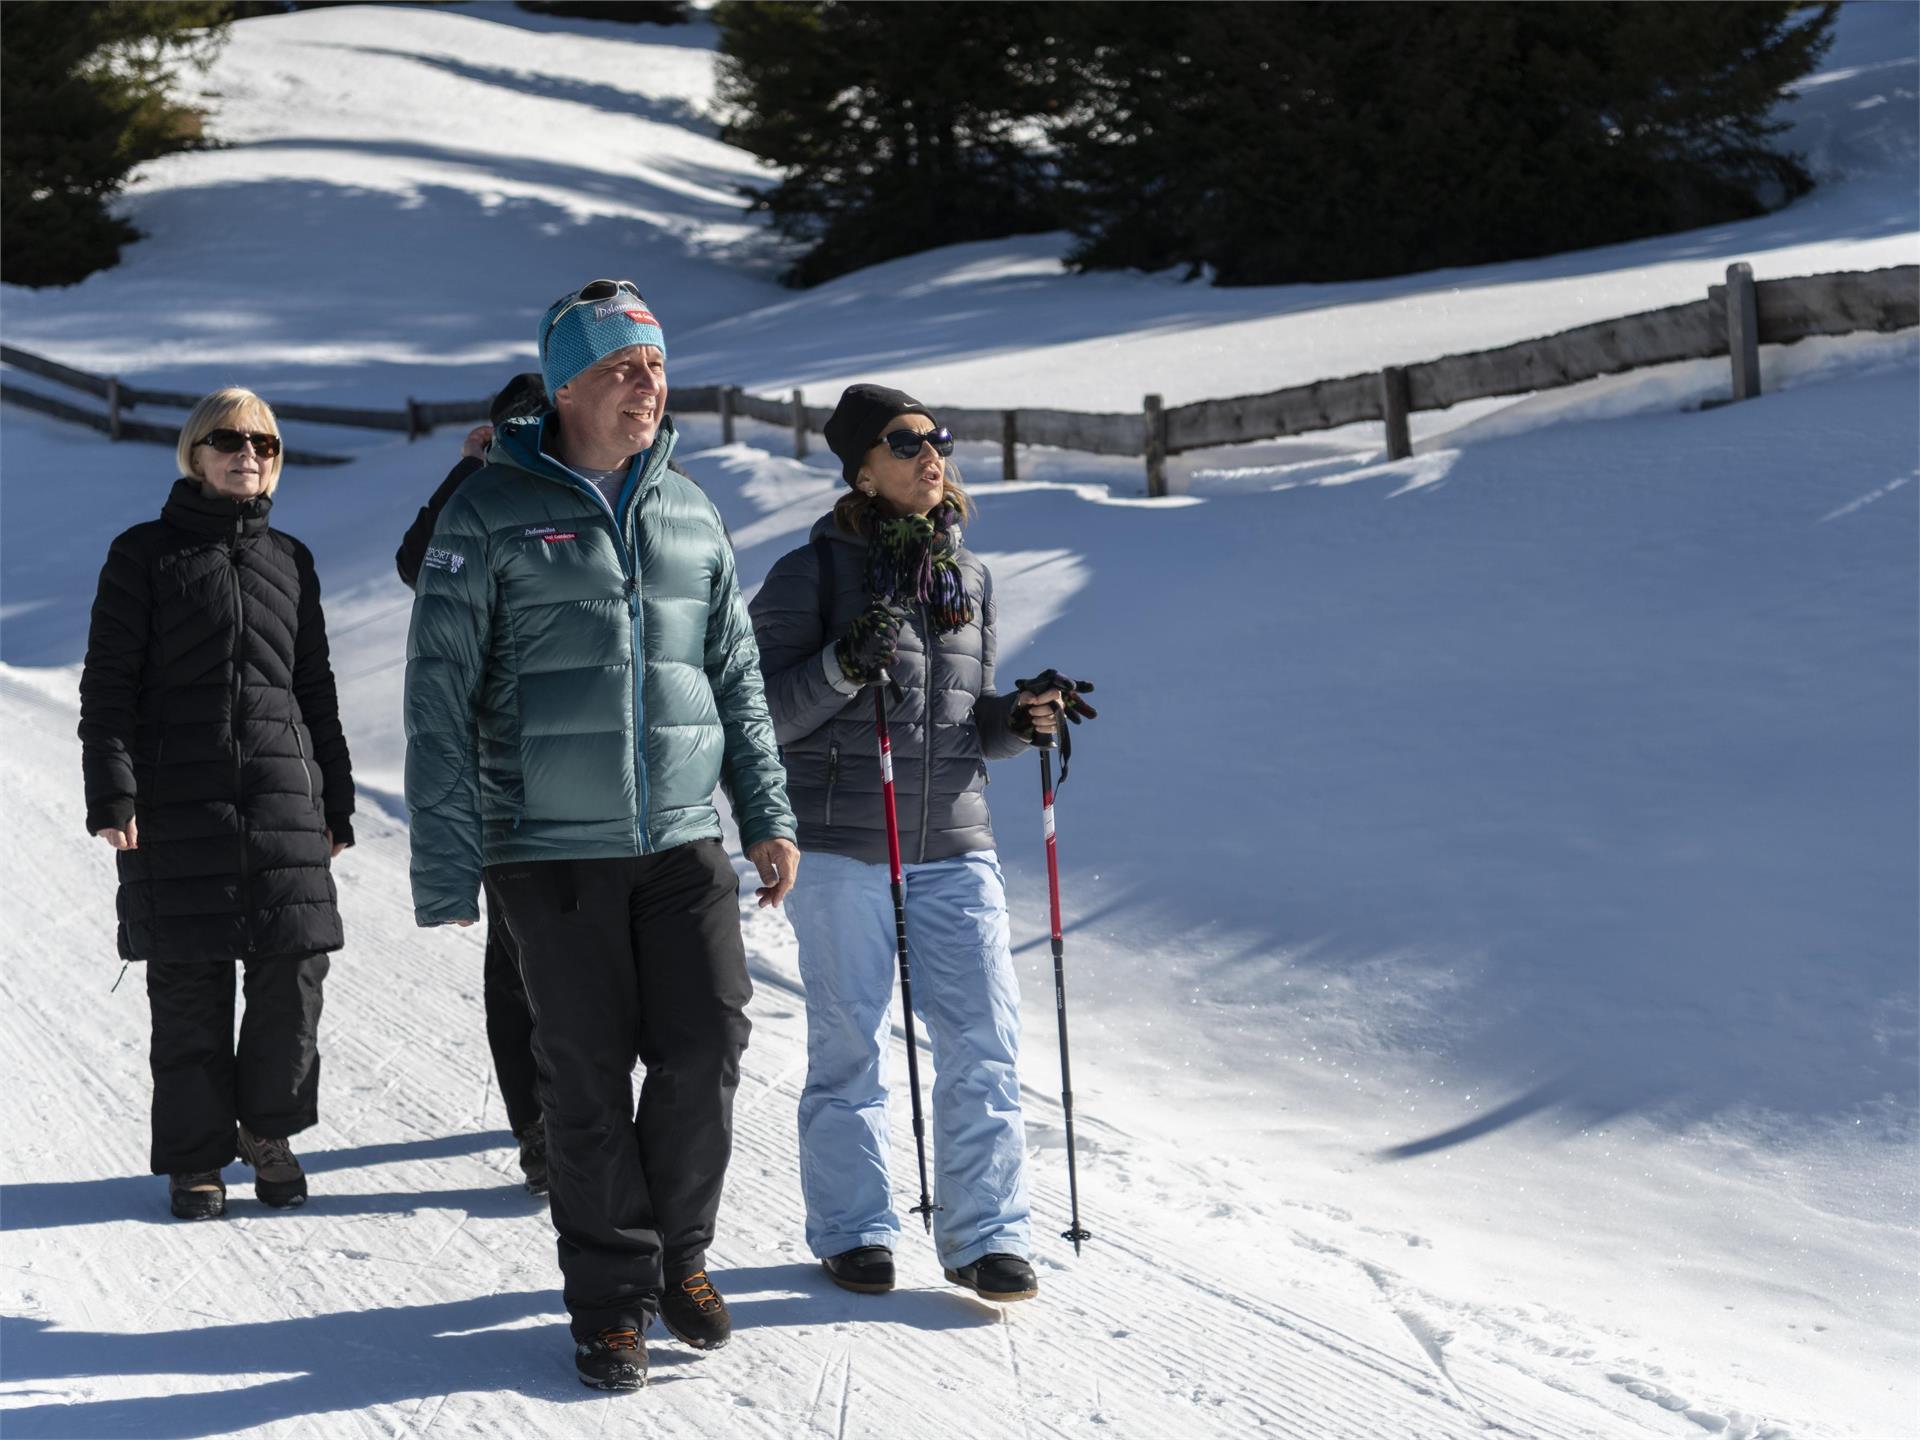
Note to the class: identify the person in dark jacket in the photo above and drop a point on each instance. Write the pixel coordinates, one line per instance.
(215, 765)
(885, 590)
(522, 395)
(509, 1021)
(581, 674)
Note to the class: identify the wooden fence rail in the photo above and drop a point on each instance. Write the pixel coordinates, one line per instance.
(1734, 320)
(132, 429)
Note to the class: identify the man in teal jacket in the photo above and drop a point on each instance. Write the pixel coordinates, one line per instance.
(581, 673)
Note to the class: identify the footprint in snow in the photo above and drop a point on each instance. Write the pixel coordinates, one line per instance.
(1731, 1426)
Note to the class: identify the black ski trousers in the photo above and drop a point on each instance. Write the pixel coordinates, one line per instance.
(621, 959)
(509, 1022)
(203, 1083)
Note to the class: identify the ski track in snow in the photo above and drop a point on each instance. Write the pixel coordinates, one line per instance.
(416, 1292)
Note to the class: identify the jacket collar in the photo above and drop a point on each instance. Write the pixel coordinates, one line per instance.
(190, 509)
(518, 443)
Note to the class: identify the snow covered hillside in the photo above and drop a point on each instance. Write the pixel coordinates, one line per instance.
(1491, 880)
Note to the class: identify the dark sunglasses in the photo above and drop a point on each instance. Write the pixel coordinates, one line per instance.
(588, 293)
(905, 444)
(228, 442)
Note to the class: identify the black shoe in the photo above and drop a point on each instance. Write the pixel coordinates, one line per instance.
(533, 1155)
(201, 1195)
(867, 1270)
(613, 1360)
(694, 1313)
(278, 1179)
(998, 1277)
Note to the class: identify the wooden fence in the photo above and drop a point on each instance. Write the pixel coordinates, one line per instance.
(1735, 319)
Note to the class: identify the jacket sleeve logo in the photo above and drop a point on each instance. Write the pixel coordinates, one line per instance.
(447, 560)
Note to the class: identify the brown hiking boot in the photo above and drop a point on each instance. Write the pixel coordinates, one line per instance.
(278, 1179)
(612, 1360)
(694, 1313)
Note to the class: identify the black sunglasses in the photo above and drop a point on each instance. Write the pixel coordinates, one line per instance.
(905, 444)
(588, 293)
(228, 442)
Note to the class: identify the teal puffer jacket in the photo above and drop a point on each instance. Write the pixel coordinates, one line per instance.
(532, 734)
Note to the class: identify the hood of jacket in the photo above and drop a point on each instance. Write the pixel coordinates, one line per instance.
(525, 444)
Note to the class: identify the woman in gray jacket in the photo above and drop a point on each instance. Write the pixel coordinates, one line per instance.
(885, 588)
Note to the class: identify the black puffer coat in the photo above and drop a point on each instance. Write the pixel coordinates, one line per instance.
(207, 713)
(825, 725)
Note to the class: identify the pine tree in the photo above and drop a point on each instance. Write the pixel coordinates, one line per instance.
(629, 12)
(1317, 142)
(85, 98)
(898, 127)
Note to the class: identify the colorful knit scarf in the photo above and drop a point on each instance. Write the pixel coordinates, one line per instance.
(911, 561)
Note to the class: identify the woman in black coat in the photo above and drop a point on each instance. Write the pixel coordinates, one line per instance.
(215, 765)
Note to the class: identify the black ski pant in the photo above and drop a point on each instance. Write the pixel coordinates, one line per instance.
(509, 1022)
(621, 959)
(203, 1083)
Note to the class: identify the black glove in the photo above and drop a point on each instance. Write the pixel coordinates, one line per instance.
(866, 651)
(1073, 702)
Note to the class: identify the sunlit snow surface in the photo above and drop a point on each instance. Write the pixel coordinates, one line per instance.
(1491, 879)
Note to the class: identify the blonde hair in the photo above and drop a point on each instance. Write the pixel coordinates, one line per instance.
(213, 413)
(855, 512)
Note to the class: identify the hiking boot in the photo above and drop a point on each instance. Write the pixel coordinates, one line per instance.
(867, 1270)
(613, 1360)
(198, 1195)
(278, 1179)
(694, 1313)
(533, 1155)
(997, 1277)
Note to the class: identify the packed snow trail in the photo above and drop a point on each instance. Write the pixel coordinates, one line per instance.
(417, 1288)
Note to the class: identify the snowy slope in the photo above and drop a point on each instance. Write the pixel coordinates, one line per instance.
(1491, 878)
(992, 324)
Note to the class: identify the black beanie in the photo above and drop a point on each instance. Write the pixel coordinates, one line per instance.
(859, 420)
(523, 395)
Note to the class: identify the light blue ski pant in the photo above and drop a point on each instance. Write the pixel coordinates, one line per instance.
(965, 995)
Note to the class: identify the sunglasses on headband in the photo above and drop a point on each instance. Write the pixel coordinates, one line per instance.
(228, 442)
(905, 444)
(586, 295)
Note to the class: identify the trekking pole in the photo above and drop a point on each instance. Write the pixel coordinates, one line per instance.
(925, 1208)
(1044, 741)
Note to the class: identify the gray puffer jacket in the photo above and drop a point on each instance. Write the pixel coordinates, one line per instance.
(824, 723)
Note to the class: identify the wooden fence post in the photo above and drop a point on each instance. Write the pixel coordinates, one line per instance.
(799, 426)
(1156, 445)
(113, 407)
(726, 414)
(1743, 331)
(1009, 437)
(415, 428)
(1394, 403)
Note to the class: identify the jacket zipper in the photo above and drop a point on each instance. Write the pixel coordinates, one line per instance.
(636, 631)
(926, 733)
(637, 628)
(300, 743)
(239, 759)
(833, 775)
